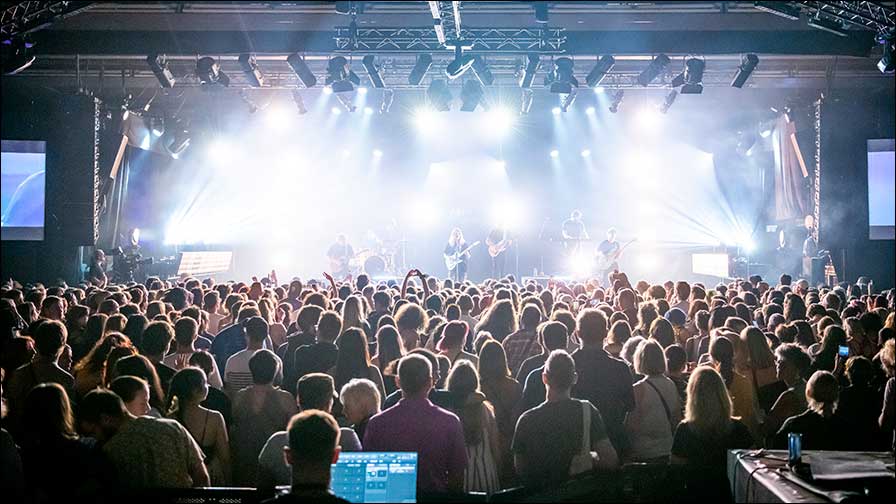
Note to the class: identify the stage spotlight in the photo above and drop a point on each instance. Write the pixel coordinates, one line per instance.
(746, 244)
(209, 72)
(555, 153)
(219, 151)
(377, 153)
(533, 61)
(376, 80)
(656, 67)
(471, 95)
(386, 104)
(668, 101)
(600, 70)
(590, 111)
(368, 110)
(693, 76)
(586, 153)
(556, 111)
(599, 90)
(335, 111)
(362, 90)
(158, 63)
(483, 73)
(561, 79)
(747, 65)
(301, 69)
(340, 77)
(541, 12)
(421, 66)
(299, 101)
(886, 64)
(460, 64)
(617, 100)
(526, 101)
(782, 9)
(439, 95)
(648, 262)
(328, 90)
(251, 70)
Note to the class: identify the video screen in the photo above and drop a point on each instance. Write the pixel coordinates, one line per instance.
(23, 167)
(881, 180)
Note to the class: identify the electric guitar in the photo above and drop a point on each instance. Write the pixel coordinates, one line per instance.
(501, 246)
(452, 260)
(605, 261)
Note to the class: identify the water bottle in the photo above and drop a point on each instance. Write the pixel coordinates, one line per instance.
(794, 448)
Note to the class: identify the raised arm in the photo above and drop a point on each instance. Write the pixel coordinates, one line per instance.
(425, 285)
(333, 288)
(404, 285)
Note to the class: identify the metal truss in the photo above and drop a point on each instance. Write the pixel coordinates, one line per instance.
(414, 40)
(24, 17)
(875, 16)
(446, 20)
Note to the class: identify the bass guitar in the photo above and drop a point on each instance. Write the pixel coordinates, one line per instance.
(605, 261)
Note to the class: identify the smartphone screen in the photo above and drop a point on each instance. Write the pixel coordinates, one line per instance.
(843, 351)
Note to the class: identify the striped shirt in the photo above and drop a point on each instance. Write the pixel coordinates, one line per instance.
(237, 375)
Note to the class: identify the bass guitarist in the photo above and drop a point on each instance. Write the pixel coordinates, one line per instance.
(498, 243)
(608, 253)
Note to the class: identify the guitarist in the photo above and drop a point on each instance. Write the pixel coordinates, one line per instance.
(457, 244)
(340, 253)
(609, 249)
(498, 243)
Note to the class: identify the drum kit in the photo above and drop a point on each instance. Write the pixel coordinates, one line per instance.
(384, 258)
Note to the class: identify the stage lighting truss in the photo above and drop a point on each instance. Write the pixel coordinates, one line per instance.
(23, 17)
(424, 40)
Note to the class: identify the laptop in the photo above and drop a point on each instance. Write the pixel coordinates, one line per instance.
(375, 476)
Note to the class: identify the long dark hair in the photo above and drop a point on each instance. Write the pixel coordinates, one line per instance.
(141, 367)
(722, 352)
(134, 329)
(499, 320)
(463, 383)
(185, 384)
(492, 362)
(47, 415)
(353, 359)
(388, 346)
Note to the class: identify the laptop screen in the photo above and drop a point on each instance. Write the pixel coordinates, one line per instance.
(375, 476)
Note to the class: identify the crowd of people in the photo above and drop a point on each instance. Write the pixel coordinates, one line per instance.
(192, 383)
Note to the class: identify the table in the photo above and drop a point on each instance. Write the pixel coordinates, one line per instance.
(767, 479)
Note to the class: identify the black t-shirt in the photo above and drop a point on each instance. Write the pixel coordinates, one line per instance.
(819, 433)
(533, 389)
(287, 351)
(706, 470)
(317, 358)
(548, 436)
(607, 383)
(495, 236)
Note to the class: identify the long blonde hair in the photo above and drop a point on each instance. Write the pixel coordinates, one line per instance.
(708, 408)
(353, 313)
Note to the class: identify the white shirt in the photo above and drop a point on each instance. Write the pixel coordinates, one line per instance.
(237, 375)
(179, 361)
(649, 429)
